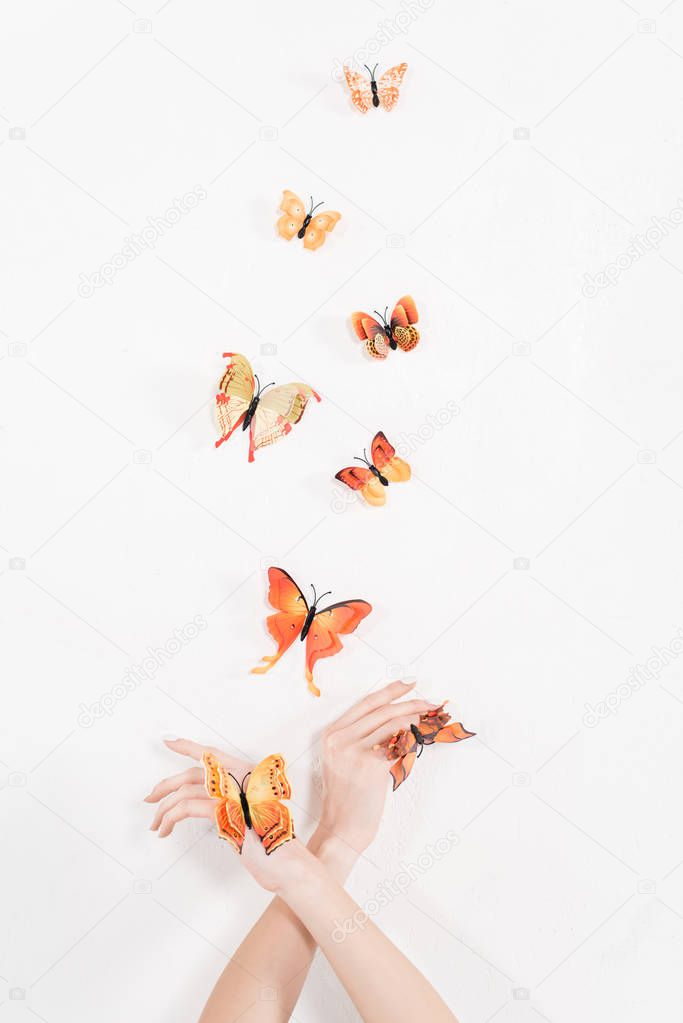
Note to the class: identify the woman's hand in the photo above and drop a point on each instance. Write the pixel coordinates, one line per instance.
(355, 772)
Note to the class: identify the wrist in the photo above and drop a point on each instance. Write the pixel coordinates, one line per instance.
(304, 870)
(336, 854)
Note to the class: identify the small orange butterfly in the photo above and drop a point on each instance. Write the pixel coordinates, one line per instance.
(310, 226)
(407, 745)
(241, 402)
(398, 332)
(384, 92)
(256, 805)
(320, 629)
(372, 479)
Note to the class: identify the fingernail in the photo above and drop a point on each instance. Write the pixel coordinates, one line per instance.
(169, 738)
(409, 685)
(147, 798)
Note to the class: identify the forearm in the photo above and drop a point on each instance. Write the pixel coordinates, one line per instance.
(381, 982)
(264, 988)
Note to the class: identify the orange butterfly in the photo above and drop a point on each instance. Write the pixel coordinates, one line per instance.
(320, 629)
(257, 806)
(296, 221)
(407, 745)
(385, 467)
(374, 93)
(398, 332)
(240, 401)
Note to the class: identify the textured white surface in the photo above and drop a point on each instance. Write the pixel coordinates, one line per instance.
(531, 143)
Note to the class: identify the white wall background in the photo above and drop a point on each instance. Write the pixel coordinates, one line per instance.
(533, 141)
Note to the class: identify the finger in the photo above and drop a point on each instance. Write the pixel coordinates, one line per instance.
(189, 748)
(390, 728)
(371, 722)
(192, 776)
(184, 792)
(184, 809)
(371, 702)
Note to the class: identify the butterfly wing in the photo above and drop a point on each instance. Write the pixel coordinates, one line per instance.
(235, 391)
(403, 320)
(291, 607)
(389, 84)
(359, 86)
(294, 214)
(402, 768)
(271, 820)
(225, 790)
(276, 412)
(317, 230)
(359, 478)
(453, 733)
(369, 329)
(384, 457)
(323, 636)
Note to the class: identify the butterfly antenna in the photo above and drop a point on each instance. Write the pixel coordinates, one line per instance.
(327, 592)
(242, 788)
(258, 384)
(357, 458)
(315, 599)
(266, 386)
(230, 775)
(382, 317)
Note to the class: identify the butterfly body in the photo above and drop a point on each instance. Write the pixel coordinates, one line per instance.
(375, 93)
(417, 735)
(244, 803)
(375, 472)
(384, 467)
(242, 401)
(373, 87)
(249, 414)
(307, 220)
(320, 629)
(386, 334)
(308, 622)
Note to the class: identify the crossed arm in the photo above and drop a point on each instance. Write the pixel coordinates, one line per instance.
(310, 904)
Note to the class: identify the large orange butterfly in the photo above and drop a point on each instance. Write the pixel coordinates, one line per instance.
(294, 617)
(310, 226)
(407, 745)
(255, 806)
(398, 332)
(373, 478)
(384, 92)
(268, 418)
